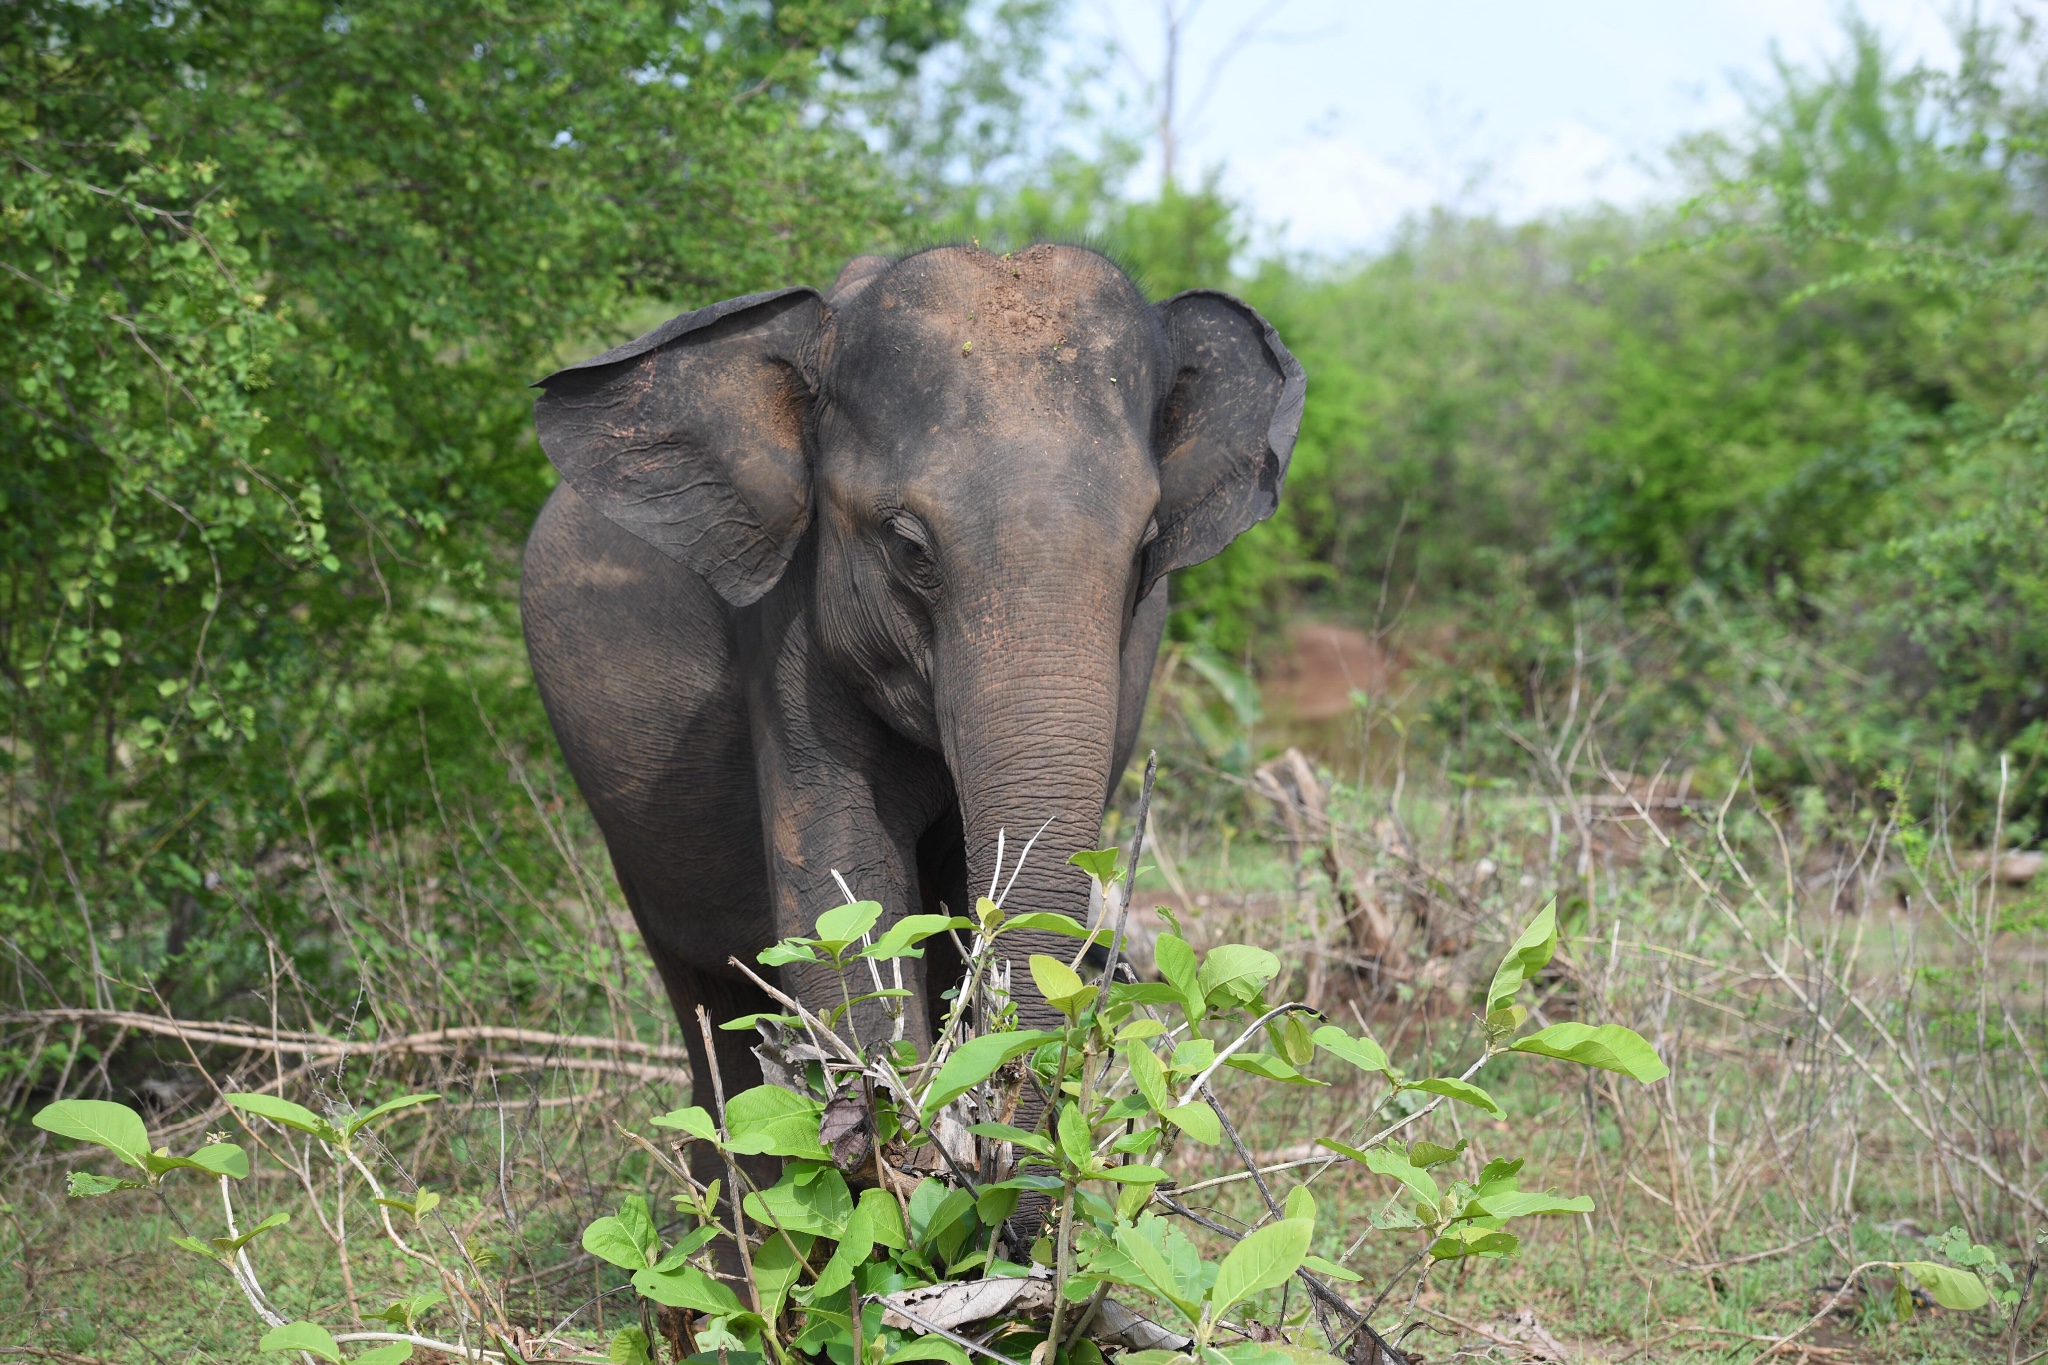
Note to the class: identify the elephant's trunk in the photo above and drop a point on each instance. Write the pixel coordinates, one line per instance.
(1029, 733)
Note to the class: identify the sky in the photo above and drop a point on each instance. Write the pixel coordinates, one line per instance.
(1340, 117)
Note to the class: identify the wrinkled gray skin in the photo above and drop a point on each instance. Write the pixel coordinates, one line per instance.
(854, 582)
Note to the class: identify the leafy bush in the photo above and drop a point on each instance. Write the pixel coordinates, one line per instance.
(276, 276)
(1771, 458)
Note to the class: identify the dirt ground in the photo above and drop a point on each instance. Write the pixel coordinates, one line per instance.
(1323, 666)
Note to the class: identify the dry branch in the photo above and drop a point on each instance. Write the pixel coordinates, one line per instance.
(445, 1042)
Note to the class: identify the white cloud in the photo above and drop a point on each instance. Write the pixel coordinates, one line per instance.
(1333, 193)
(1336, 193)
(1376, 110)
(1569, 164)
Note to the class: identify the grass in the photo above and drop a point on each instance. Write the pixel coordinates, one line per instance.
(1855, 1018)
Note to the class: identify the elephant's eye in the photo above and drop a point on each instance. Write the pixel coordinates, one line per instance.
(913, 551)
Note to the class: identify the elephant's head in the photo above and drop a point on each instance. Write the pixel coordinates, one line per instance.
(991, 460)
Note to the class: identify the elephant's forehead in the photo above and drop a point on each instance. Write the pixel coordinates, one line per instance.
(956, 303)
(961, 337)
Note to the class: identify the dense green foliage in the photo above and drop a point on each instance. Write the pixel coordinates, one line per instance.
(1772, 461)
(274, 278)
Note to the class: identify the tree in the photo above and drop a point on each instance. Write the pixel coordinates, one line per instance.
(275, 276)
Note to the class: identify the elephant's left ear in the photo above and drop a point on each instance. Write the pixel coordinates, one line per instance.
(692, 437)
(1226, 428)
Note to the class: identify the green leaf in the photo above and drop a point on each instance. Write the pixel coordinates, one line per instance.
(1176, 962)
(222, 1158)
(410, 1310)
(1136, 1143)
(1607, 1046)
(1525, 1204)
(302, 1336)
(1149, 1075)
(788, 951)
(225, 1159)
(1951, 1288)
(1330, 1270)
(1467, 1240)
(770, 1121)
(1291, 1039)
(1529, 955)
(1341, 1148)
(1263, 1353)
(1099, 863)
(103, 1123)
(196, 1247)
(690, 1245)
(1129, 1106)
(927, 1348)
(975, 1060)
(690, 1119)
(639, 1225)
(283, 1111)
(1004, 1132)
(995, 1204)
(157, 1163)
(745, 1023)
(86, 1185)
(1462, 1091)
(887, 993)
(938, 1216)
(1101, 1257)
(629, 1346)
(856, 1244)
(1154, 1270)
(843, 924)
(1301, 1203)
(1271, 1067)
(228, 1246)
(1503, 1022)
(686, 1287)
(1132, 1174)
(1265, 1258)
(1232, 973)
(811, 1197)
(1076, 1142)
(390, 1353)
(1061, 986)
(900, 938)
(1429, 1155)
(720, 1336)
(1197, 1120)
(355, 1125)
(610, 1239)
(1388, 1162)
(1192, 1056)
(924, 1201)
(1362, 1053)
(1048, 922)
(884, 1218)
(776, 1267)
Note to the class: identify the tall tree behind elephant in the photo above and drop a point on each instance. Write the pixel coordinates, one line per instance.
(853, 583)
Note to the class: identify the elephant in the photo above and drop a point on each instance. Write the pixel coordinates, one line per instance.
(850, 583)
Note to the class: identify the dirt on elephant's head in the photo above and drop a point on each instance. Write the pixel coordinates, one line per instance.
(1021, 300)
(1020, 297)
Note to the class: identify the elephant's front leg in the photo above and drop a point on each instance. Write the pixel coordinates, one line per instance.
(841, 793)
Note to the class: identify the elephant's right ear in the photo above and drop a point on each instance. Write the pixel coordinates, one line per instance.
(692, 437)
